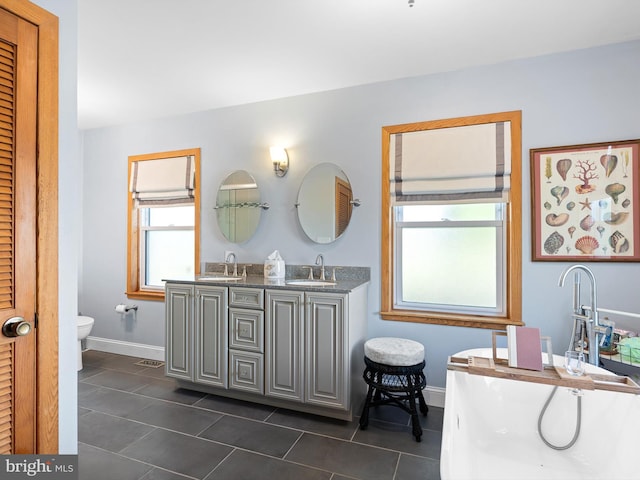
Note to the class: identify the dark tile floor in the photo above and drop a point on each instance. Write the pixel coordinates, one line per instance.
(136, 424)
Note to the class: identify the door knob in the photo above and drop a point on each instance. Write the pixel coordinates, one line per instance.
(16, 327)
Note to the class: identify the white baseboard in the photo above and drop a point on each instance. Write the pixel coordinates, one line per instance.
(434, 396)
(151, 352)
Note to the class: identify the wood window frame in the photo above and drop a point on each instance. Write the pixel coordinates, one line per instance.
(513, 215)
(134, 288)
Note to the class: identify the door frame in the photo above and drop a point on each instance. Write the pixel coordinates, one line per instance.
(46, 332)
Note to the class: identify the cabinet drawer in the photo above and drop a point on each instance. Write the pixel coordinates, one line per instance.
(244, 297)
(246, 371)
(246, 329)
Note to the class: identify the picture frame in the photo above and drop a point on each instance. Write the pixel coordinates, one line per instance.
(586, 202)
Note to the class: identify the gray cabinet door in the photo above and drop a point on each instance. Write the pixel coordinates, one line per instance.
(179, 333)
(284, 345)
(246, 330)
(246, 371)
(211, 334)
(326, 369)
(243, 297)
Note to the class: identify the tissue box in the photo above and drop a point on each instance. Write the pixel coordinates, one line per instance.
(274, 269)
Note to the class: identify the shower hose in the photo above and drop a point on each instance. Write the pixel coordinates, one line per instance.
(578, 422)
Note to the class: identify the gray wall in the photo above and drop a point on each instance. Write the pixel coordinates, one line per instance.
(579, 97)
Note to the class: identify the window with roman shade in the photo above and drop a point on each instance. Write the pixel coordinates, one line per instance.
(163, 181)
(451, 226)
(164, 221)
(450, 165)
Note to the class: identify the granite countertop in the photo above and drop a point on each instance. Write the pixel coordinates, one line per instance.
(341, 286)
(347, 279)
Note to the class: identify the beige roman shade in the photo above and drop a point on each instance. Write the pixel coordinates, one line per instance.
(448, 165)
(163, 181)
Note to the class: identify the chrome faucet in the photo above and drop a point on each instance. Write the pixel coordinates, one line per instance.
(235, 263)
(588, 315)
(320, 261)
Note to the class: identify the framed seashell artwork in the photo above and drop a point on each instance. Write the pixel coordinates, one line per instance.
(585, 202)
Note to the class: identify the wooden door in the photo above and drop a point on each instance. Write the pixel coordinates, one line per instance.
(343, 205)
(18, 109)
(28, 226)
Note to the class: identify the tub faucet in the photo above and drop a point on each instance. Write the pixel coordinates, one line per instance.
(590, 314)
(235, 263)
(320, 261)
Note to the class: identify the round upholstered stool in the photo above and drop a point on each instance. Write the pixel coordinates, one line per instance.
(394, 372)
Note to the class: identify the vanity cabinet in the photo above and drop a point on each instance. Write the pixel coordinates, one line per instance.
(179, 331)
(326, 366)
(285, 345)
(196, 333)
(290, 348)
(210, 336)
(307, 347)
(246, 339)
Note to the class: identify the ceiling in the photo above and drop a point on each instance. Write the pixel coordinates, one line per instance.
(144, 59)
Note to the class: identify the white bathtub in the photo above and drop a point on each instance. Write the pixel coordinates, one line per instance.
(490, 430)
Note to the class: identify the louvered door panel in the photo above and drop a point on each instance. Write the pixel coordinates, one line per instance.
(19, 46)
(343, 206)
(17, 232)
(6, 398)
(7, 264)
(7, 147)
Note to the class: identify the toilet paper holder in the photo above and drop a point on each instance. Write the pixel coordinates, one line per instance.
(122, 308)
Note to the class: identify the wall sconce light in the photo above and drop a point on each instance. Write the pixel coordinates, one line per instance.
(280, 160)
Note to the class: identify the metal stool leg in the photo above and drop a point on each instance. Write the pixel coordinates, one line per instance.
(415, 422)
(423, 405)
(364, 417)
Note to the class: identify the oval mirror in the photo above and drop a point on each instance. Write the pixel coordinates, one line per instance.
(325, 203)
(238, 206)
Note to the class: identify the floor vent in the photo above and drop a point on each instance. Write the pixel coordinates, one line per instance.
(150, 363)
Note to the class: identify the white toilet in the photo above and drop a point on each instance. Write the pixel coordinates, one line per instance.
(84, 327)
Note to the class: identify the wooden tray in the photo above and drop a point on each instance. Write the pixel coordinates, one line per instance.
(546, 341)
(549, 376)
